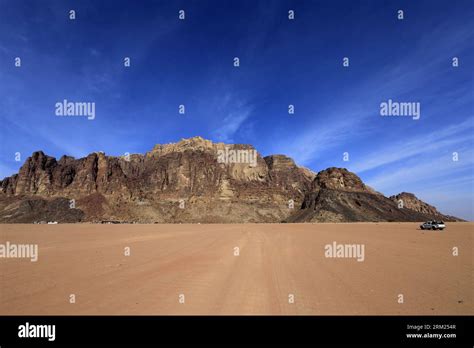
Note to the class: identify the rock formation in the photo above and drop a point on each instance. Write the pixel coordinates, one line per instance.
(188, 182)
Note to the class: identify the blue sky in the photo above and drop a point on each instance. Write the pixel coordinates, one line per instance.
(282, 62)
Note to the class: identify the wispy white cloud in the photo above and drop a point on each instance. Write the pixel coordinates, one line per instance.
(306, 147)
(440, 139)
(231, 111)
(231, 124)
(425, 169)
(345, 122)
(453, 197)
(12, 116)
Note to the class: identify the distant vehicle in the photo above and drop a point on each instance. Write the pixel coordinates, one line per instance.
(433, 225)
(52, 222)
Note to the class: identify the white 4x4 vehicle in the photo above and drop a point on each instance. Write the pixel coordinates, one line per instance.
(433, 225)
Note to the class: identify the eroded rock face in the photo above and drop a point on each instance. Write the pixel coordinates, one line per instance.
(190, 182)
(329, 205)
(339, 179)
(410, 201)
(150, 187)
(35, 176)
(338, 195)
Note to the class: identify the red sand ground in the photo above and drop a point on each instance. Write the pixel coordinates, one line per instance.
(275, 260)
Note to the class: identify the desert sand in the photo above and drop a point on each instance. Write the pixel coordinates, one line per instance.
(276, 263)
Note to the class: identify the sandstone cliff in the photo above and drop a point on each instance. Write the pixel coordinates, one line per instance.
(194, 180)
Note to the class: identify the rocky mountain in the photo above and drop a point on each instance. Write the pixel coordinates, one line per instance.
(194, 180)
(338, 195)
(410, 201)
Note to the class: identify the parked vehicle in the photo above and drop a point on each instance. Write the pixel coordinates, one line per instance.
(433, 225)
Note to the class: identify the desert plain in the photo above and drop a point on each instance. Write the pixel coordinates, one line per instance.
(237, 269)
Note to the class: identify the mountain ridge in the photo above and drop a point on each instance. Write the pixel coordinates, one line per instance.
(195, 180)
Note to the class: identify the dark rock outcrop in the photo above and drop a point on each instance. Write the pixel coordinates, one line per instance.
(338, 195)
